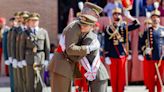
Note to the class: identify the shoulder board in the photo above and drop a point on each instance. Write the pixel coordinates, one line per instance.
(42, 29)
(71, 25)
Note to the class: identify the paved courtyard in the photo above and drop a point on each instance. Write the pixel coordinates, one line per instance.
(4, 87)
(130, 89)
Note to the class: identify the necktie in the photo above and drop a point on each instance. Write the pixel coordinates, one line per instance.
(34, 31)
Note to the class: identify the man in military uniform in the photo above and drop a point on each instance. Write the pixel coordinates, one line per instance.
(68, 52)
(7, 50)
(34, 51)
(152, 46)
(21, 70)
(13, 48)
(147, 24)
(116, 54)
(100, 83)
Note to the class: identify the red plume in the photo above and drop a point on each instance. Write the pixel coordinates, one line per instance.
(127, 4)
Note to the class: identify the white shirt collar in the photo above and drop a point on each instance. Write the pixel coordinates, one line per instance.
(36, 28)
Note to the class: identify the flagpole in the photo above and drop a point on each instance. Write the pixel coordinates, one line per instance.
(127, 49)
(127, 5)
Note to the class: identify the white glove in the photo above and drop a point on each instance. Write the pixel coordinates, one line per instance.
(7, 62)
(162, 50)
(129, 57)
(127, 14)
(107, 60)
(94, 45)
(140, 57)
(51, 56)
(20, 64)
(80, 5)
(24, 63)
(162, 35)
(148, 50)
(148, 14)
(15, 63)
(46, 63)
(10, 60)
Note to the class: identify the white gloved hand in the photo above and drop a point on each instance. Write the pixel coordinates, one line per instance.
(129, 57)
(80, 5)
(107, 60)
(128, 15)
(7, 62)
(10, 60)
(148, 14)
(46, 63)
(94, 45)
(148, 50)
(140, 57)
(162, 50)
(20, 64)
(24, 63)
(15, 63)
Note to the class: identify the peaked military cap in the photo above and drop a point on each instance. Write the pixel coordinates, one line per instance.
(156, 12)
(87, 19)
(94, 7)
(17, 14)
(91, 9)
(25, 14)
(116, 10)
(34, 16)
(12, 19)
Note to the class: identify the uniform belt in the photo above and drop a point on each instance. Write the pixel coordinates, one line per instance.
(30, 49)
(40, 51)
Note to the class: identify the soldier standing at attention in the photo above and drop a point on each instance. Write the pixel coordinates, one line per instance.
(68, 52)
(153, 48)
(21, 70)
(13, 24)
(13, 58)
(115, 39)
(34, 50)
